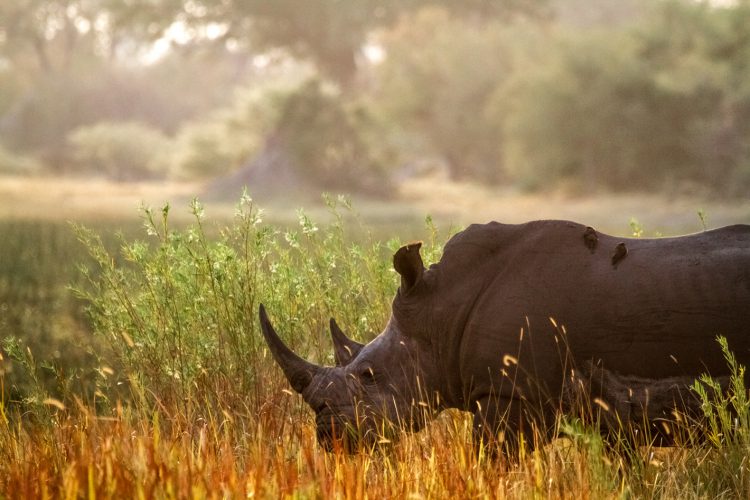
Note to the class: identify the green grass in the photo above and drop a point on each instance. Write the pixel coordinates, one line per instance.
(183, 400)
(39, 317)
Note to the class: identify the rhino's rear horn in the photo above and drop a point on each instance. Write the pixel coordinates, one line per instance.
(298, 371)
(344, 348)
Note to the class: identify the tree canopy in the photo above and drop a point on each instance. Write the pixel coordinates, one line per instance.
(625, 94)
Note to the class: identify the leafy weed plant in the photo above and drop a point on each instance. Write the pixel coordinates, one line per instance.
(181, 315)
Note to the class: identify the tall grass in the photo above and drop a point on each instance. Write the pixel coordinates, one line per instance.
(181, 314)
(39, 318)
(190, 404)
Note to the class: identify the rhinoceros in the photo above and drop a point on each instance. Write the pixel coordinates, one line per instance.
(514, 321)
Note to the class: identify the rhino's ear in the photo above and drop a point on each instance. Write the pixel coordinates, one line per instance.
(408, 263)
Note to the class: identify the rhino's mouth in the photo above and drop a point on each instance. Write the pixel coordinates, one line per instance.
(335, 430)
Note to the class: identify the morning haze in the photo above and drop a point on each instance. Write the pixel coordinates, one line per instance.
(168, 166)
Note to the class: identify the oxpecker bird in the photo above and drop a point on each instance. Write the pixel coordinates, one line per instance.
(621, 252)
(590, 238)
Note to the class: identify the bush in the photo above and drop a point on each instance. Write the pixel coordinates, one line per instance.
(121, 151)
(202, 150)
(332, 141)
(230, 137)
(181, 316)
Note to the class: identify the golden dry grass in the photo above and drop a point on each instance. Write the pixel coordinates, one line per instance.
(82, 456)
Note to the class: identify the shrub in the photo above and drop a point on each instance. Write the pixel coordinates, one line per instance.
(331, 141)
(202, 150)
(121, 151)
(229, 137)
(181, 316)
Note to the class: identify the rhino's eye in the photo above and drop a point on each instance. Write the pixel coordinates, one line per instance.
(367, 376)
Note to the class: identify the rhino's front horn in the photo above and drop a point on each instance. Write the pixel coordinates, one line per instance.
(298, 371)
(344, 348)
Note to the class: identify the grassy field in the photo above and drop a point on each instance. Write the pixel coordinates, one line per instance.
(151, 378)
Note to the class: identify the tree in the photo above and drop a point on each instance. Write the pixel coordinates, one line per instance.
(701, 52)
(49, 36)
(437, 83)
(330, 33)
(663, 105)
(319, 139)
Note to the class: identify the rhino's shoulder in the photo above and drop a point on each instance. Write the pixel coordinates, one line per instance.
(737, 230)
(479, 242)
(494, 234)
(481, 236)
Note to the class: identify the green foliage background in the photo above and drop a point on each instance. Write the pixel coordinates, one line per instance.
(622, 96)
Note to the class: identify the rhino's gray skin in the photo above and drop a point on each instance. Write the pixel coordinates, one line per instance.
(474, 332)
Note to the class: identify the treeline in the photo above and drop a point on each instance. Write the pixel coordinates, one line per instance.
(625, 95)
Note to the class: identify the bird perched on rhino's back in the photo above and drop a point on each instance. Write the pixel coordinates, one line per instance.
(512, 314)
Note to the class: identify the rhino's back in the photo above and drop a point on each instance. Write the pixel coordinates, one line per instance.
(659, 311)
(654, 312)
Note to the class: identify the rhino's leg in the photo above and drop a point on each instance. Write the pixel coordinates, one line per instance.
(501, 424)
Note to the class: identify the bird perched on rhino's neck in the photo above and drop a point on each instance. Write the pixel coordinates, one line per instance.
(474, 331)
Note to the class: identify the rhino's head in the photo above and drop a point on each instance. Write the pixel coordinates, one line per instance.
(373, 387)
